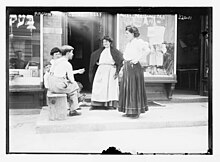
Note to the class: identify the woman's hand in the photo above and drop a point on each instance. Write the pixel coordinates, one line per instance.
(134, 61)
(116, 75)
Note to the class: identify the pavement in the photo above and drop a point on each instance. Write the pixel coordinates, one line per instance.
(168, 127)
(173, 115)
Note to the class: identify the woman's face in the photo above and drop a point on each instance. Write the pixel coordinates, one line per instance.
(129, 36)
(106, 43)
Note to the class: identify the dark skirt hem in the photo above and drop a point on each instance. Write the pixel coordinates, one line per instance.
(133, 111)
(132, 95)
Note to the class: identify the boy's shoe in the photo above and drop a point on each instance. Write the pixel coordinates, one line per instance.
(79, 108)
(74, 113)
(93, 108)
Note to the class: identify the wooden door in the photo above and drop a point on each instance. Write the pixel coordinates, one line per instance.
(206, 55)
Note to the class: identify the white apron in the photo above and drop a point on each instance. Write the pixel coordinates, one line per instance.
(105, 87)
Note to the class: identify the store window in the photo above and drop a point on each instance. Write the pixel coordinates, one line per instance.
(160, 32)
(24, 49)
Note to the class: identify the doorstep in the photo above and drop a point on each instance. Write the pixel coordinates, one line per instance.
(103, 120)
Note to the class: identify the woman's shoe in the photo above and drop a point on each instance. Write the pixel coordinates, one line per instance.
(134, 116)
(126, 115)
(111, 108)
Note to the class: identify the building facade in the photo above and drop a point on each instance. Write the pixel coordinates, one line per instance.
(181, 39)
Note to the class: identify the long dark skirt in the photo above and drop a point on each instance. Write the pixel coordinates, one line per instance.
(132, 95)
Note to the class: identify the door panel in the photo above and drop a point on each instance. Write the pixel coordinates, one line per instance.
(205, 55)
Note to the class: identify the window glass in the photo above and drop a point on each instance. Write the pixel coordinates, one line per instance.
(159, 32)
(24, 46)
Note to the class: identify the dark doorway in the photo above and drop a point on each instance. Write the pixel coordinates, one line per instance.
(84, 36)
(188, 50)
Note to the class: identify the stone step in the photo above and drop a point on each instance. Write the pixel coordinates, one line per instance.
(176, 98)
(103, 120)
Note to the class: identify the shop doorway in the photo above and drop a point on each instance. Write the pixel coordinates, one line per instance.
(193, 60)
(84, 35)
(188, 55)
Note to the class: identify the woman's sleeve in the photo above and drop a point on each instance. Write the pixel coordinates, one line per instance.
(91, 67)
(143, 48)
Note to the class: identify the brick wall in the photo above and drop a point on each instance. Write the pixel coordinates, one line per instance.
(52, 34)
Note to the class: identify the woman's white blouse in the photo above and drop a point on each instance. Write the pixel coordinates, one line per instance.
(106, 57)
(136, 49)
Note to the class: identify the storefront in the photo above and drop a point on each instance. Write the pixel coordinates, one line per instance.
(31, 36)
(25, 60)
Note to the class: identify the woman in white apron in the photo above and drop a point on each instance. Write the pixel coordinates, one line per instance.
(105, 88)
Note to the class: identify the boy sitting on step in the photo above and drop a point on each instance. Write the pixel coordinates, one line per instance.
(61, 77)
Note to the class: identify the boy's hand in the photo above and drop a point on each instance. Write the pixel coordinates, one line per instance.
(47, 68)
(81, 71)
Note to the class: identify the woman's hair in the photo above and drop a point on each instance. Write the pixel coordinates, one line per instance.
(54, 50)
(65, 49)
(132, 29)
(107, 38)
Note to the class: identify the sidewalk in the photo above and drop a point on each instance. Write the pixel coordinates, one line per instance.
(175, 113)
(168, 115)
(174, 128)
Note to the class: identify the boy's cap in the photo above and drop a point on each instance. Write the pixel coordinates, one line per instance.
(54, 50)
(66, 48)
